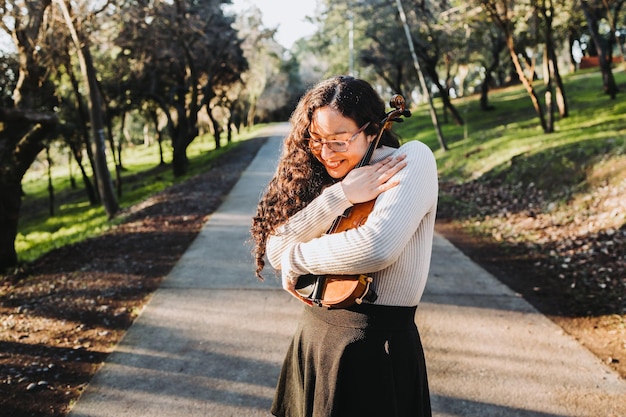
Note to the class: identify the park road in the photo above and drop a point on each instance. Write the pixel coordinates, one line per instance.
(211, 340)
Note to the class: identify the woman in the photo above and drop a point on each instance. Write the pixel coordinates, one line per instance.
(367, 359)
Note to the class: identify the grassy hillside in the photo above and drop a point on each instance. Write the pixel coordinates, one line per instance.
(489, 141)
(74, 219)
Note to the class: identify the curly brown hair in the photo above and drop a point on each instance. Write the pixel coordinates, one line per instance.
(300, 177)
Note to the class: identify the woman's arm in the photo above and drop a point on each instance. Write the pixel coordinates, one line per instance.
(309, 223)
(378, 243)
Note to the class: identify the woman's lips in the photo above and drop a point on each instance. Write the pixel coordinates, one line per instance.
(332, 164)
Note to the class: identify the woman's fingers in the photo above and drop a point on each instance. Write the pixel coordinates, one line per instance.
(293, 292)
(366, 183)
(387, 169)
(392, 165)
(289, 285)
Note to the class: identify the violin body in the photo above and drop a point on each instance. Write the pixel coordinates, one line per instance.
(336, 291)
(356, 217)
(341, 291)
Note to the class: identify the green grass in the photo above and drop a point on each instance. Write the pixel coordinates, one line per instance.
(75, 219)
(509, 141)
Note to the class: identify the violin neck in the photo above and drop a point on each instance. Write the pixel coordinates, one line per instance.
(370, 150)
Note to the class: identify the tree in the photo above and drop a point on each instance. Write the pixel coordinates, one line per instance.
(72, 112)
(418, 69)
(224, 66)
(491, 58)
(434, 39)
(551, 74)
(181, 54)
(388, 49)
(331, 43)
(26, 122)
(272, 84)
(385, 51)
(103, 176)
(503, 16)
(594, 11)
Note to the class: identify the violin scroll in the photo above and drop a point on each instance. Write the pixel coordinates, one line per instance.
(397, 102)
(399, 105)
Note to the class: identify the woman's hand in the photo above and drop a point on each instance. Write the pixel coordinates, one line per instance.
(289, 278)
(289, 285)
(367, 182)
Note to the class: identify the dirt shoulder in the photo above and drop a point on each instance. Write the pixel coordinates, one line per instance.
(521, 270)
(62, 315)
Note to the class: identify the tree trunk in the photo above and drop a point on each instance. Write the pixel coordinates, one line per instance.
(229, 128)
(23, 144)
(22, 128)
(187, 128)
(10, 204)
(559, 87)
(89, 189)
(549, 86)
(92, 193)
(155, 119)
(484, 88)
(105, 185)
(420, 75)
(526, 82)
(484, 92)
(71, 171)
(179, 158)
(551, 67)
(217, 129)
(50, 184)
(179, 143)
(497, 46)
(445, 97)
(608, 80)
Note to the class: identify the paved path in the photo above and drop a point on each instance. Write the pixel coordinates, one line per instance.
(211, 340)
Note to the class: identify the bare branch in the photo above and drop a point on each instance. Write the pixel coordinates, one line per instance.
(28, 116)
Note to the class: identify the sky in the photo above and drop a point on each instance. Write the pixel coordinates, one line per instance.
(286, 15)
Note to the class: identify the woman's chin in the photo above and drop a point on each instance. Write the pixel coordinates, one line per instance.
(336, 170)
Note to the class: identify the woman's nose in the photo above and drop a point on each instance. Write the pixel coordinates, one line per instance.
(326, 151)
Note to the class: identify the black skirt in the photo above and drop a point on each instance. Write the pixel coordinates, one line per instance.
(363, 361)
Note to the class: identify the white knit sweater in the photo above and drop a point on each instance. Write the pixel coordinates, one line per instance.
(393, 246)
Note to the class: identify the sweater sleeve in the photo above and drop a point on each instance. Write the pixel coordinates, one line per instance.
(378, 243)
(309, 223)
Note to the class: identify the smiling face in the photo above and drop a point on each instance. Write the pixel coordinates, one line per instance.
(329, 124)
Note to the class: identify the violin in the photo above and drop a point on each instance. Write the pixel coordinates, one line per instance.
(341, 291)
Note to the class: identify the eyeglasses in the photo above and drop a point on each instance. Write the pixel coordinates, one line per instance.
(316, 145)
